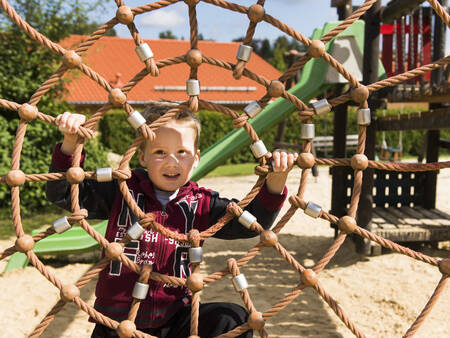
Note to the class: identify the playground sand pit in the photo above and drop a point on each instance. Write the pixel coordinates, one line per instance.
(382, 295)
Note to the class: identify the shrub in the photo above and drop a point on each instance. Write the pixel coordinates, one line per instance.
(38, 144)
(117, 134)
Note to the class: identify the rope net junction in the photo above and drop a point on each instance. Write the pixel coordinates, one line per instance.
(28, 112)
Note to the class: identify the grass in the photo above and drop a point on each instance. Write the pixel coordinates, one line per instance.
(241, 169)
(41, 219)
(36, 220)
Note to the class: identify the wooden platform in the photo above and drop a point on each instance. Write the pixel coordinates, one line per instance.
(407, 224)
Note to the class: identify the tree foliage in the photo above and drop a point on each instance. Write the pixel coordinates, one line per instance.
(25, 65)
(167, 35)
(274, 52)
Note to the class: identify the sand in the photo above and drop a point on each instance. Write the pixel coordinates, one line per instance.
(382, 295)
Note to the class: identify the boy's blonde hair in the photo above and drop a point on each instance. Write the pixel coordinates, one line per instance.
(152, 112)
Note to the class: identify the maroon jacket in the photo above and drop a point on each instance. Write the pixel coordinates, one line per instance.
(193, 208)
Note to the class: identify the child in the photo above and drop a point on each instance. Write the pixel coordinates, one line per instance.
(163, 189)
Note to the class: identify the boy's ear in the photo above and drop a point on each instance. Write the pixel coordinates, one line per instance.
(197, 158)
(141, 156)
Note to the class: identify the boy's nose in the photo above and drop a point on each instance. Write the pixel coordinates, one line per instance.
(172, 159)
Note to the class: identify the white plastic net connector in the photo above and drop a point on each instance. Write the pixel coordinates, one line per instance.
(136, 119)
(258, 149)
(247, 219)
(135, 231)
(321, 107)
(252, 109)
(244, 52)
(144, 52)
(307, 131)
(195, 255)
(239, 282)
(363, 116)
(313, 210)
(61, 225)
(193, 87)
(140, 291)
(103, 174)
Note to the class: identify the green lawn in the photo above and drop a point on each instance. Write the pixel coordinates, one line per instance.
(241, 169)
(36, 220)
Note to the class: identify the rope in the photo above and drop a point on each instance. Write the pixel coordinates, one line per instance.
(152, 68)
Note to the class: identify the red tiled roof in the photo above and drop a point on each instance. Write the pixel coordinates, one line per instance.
(112, 55)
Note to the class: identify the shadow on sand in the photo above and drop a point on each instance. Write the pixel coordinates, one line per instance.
(269, 278)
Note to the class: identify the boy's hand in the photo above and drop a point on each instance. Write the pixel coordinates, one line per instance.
(282, 162)
(69, 123)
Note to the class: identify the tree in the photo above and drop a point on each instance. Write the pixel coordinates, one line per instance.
(24, 66)
(167, 35)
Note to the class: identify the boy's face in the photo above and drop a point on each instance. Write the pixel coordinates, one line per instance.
(172, 157)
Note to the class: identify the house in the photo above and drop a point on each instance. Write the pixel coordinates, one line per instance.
(115, 60)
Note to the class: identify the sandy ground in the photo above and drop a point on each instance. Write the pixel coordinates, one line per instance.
(382, 295)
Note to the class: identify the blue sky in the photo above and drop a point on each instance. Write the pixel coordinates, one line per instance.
(224, 25)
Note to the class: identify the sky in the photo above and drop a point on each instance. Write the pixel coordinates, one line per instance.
(224, 25)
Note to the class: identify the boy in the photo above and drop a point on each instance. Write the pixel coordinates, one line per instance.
(178, 204)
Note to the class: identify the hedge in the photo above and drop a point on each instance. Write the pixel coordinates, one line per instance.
(117, 134)
(38, 144)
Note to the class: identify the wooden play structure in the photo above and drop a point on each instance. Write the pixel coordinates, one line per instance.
(400, 206)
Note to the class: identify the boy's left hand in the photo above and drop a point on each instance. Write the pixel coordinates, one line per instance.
(282, 162)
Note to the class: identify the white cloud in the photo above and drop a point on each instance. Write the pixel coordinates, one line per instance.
(162, 19)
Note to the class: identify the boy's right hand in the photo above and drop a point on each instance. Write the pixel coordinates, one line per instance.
(69, 123)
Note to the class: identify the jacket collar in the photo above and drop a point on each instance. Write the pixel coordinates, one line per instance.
(147, 186)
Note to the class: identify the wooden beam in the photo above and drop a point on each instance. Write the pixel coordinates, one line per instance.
(395, 9)
(435, 119)
(338, 3)
(443, 143)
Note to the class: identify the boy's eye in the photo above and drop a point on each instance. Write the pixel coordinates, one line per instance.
(159, 152)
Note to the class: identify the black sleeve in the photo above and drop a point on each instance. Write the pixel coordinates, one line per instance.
(234, 229)
(96, 197)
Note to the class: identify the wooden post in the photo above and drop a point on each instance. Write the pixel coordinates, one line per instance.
(370, 75)
(433, 136)
(338, 191)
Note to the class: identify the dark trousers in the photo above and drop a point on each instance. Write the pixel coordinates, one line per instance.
(214, 319)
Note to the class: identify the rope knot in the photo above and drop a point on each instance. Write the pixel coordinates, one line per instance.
(233, 267)
(77, 216)
(148, 220)
(193, 103)
(147, 133)
(234, 209)
(239, 69)
(194, 238)
(86, 132)
(297, 202)
(151, 67)
(240, 121)
(262, 170)
(122, 174)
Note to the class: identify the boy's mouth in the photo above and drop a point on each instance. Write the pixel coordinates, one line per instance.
(171, 176)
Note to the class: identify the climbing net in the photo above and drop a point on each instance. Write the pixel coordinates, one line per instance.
(28, 112)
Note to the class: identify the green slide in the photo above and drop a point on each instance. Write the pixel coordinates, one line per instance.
(73, 241)
(312, 83)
